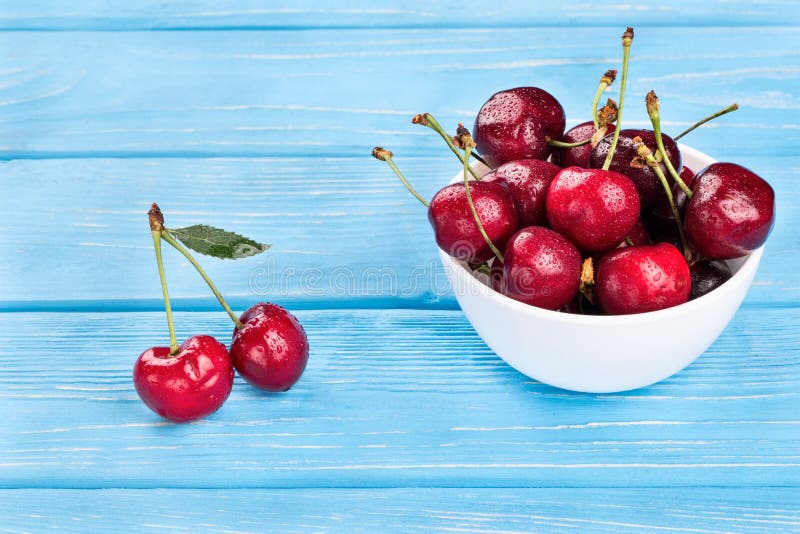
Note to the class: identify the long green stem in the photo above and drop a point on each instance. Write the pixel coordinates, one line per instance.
(411, 189)
(600, 89)
(173, 340)
(655, 119)
(426, 119)
(627, 40)
(606, 80)
(732, 107)
(382, 154)
(644, 153)
(180, 248)
(562, 144)
(675, 213)
(467, 151)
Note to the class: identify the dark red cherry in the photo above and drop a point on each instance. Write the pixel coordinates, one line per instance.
(642, 279)
(731, 212)
(687, 175)
(516, 123)
(577, 156)
(707, 276)
(660, 219)
(580, 305)
(271, 350)
(593, 208)
(455, 228)
(636, 237)
(497, 278)
(542, 268)
(647, 183)
(186, 386)
(527, 181)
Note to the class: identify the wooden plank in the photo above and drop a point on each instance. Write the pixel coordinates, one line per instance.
(704, 510)
(199, 93)
(345, 232)
(303, 14)
(392, 399)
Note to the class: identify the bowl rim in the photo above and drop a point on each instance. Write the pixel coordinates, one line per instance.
(750, 263)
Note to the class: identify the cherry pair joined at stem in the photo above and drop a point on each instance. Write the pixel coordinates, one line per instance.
(192, 380)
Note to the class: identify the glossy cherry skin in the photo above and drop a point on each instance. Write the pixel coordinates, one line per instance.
(455, 228)
(187, 386)
(527, 180)
(271, 350)
(642, 279)
(516, 123)
(707, 276)
(542, 268)
(578, 156)
(593, 208)
(647, 182)
(660, 220)
(731, 212)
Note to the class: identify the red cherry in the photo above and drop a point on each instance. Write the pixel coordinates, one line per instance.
(516, 123)
(578, 156)
(687, 175)
(647, 183)
(731, 212)
(527, 181)
(455, 228)
(542, 268)
(271, 350)
(187, 386)
(593, 208)
(642, 279)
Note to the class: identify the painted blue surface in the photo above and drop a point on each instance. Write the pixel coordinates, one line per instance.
(259, 117)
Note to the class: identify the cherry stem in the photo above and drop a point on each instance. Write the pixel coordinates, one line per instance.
(156, 228)
(675, 213)
(467, 152)
(651, 101)
(426, 119)
(732, 107)
(562, 144)
(627, 40)
(173, 340)
(478, 157)
(647, 156)
(606, 80)
(386, 155)
(180, 248)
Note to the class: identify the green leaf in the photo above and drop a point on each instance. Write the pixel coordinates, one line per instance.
(217, 242)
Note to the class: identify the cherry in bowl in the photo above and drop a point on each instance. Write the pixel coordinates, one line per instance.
(603, 353)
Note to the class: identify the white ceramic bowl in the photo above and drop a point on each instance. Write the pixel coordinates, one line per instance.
(601, 354)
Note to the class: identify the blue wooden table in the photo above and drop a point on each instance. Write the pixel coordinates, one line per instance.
(259, 117)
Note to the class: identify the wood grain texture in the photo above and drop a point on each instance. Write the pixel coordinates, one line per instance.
(698, 510)
(392, 398)
(259, 117)
(199, 93)
(344, 232)
(304, 14)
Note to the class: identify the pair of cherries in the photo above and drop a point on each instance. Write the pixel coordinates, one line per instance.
(602, 200)
(186, 382)
(270, 351)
